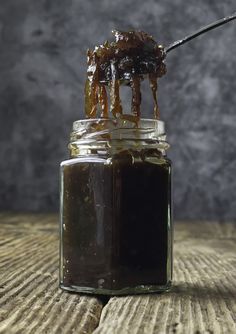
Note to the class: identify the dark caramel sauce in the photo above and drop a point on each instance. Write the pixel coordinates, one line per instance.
(133, 56)
(116, 220)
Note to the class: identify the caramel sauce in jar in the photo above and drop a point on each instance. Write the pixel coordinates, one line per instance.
(116, 228)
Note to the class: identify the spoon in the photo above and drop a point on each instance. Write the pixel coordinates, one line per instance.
(127, 76)
(200, 31)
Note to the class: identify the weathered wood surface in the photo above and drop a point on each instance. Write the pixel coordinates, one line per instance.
(203, 298)
(30, 299)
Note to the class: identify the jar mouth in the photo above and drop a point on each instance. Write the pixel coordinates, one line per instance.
(115, 129)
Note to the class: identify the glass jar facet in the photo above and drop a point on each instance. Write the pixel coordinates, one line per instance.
(116, 233)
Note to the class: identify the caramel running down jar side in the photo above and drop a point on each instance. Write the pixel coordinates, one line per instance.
(115, 209)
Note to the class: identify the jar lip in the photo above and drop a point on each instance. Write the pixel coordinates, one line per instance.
(113, 124)
(118, 134)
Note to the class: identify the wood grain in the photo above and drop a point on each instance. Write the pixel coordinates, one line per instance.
(202, 300)
(30, 299)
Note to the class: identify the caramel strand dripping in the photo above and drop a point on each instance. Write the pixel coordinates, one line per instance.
(153, 85)
(91, 86)
(102, 98)
(136, 96)
(116, 107)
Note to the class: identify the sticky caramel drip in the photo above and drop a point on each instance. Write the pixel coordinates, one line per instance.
(153, 85)
(91, 98)
(136, 96)
(116, 107)
(91, 87)
(102, 98)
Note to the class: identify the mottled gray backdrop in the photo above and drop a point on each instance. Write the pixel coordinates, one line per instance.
(42, 71)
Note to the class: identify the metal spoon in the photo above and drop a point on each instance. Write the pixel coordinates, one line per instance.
(125, 80)
(200, 31)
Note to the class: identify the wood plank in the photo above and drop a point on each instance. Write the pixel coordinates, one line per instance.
(203, 298)
(30, 300)
(205, 230)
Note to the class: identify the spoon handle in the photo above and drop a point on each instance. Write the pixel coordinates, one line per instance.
(200, 32)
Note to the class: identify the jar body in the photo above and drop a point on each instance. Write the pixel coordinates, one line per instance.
(116, 228)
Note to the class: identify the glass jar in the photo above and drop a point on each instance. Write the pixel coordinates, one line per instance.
(116, 229)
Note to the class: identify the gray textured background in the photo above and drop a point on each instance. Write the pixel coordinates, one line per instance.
(42, 72)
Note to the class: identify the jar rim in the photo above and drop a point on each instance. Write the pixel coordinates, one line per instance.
(115, 126)
(107, 134)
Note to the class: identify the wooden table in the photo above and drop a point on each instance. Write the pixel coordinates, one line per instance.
(202, 300)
